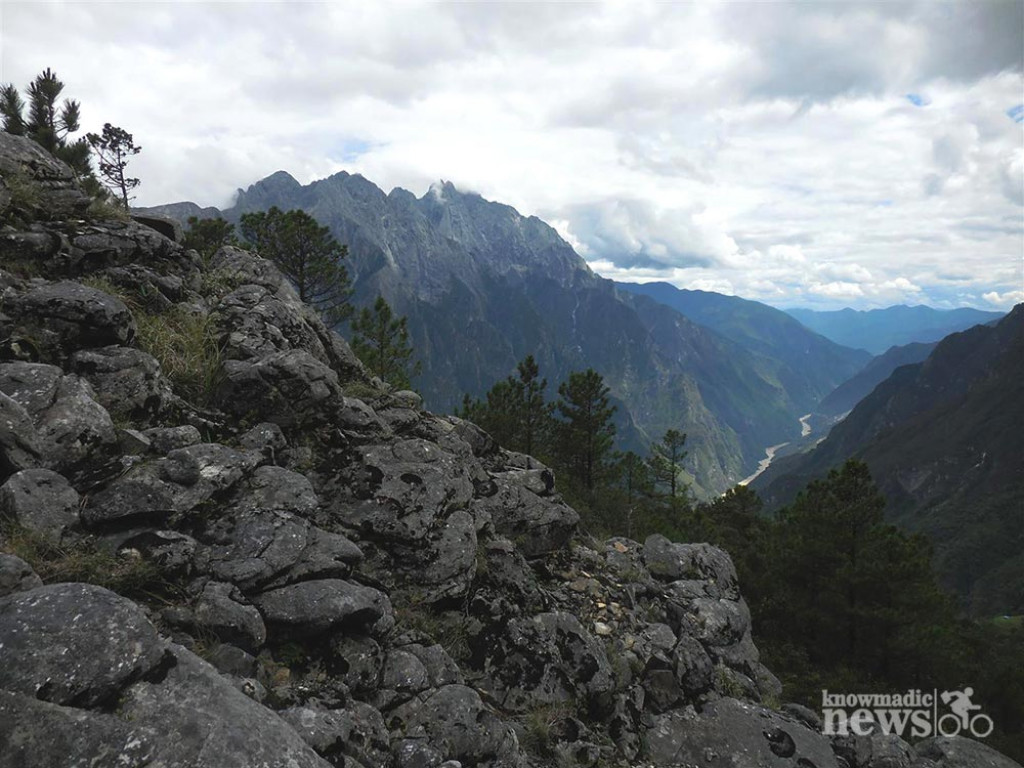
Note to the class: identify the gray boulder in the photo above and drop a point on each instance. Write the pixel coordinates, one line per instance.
(19, 441)
(537, 525)
(342, 735)
(38, 734)
(199, 719)
(958, 752)
(692, 562)
(16, 575)
(410, 486)
(257, 322)
(263, 548)
(40, 500)
(127, 381)
(220, 610)
(314, 607)
(550, 659)
(290, 389)
(456, 723)
(177, 483)
(74, 644)
(280, 489)
(734, 734)
(70, 426)
(169, 228)
(54, 181)
(163, 440)
(359, 660)
(64, 317)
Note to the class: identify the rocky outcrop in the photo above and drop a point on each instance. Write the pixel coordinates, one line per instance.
(314, 571)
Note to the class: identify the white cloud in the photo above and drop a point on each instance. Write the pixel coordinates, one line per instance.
(765, 149)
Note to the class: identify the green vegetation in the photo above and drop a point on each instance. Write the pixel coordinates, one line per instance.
(188, 348)
(381, 341)
(48, 121)
(306, 254)
(102, 208)
(207, 236)
(575, 436)
(841, 600)
(666, 464)
(585, 434)
(540, 727)
(113, 149)
(514, 411)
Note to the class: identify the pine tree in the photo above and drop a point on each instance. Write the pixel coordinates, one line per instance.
(666, 464)
(49, 122)
(535, 413)
(306, 253)
(586, 432)
(206, 236)
(635, 481)
(514, 411)
(381, 341)
(113, 149)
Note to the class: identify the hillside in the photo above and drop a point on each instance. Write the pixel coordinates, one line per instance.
(878, 329)
(483, 286)
(808, 365)
(943, 443)
(844, 397)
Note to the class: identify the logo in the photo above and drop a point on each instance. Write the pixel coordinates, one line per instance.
(916, 713)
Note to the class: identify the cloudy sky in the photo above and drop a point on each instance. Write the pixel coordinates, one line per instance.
(808, 154)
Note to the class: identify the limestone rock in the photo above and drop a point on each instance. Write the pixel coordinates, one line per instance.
(958, 752)
(59, 195)
(735, 734)
(200, 719)
(357, 733)
(127, 381)
(39, 734)
(64, 317)
(74, 644)
(219, 610)
(16, 575)
(313, 607)
(459, 727)
(19, 441)
(40, 500)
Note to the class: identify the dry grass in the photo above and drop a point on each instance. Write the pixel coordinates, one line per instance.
(188, 348)
(84, 561)
(183, 340)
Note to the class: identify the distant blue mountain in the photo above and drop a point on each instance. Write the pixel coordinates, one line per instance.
(878, 329)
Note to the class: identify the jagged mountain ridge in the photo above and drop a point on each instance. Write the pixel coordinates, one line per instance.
(943, 441)
(878, 329)
(483, 287)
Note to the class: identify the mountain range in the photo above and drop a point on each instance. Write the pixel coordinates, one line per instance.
(943, 441)
(876, 330)
(483, 286)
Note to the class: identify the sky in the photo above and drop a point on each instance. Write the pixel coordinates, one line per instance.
(815, 154)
